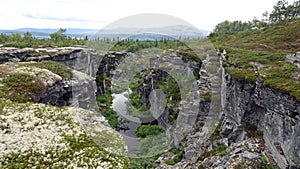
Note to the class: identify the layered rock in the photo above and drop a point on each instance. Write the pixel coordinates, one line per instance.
(79, 91)
(274, 112)
(78, 58)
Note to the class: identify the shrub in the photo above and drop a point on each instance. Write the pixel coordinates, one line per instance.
(58, 68)
(252, 131)
(177, 158)
(20, 87)
(148, 130)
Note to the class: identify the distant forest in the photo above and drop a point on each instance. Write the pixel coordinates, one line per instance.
(58, 38)
(282, 13)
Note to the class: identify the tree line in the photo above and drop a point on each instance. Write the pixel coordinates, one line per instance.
(282, 13)
(58, 39)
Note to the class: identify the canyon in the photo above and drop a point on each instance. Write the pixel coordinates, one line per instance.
(274, 112)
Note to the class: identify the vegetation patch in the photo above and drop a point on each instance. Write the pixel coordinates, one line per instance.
(178, 154)
(58, 68)
(266, 165)
(188, 54)
(219, 150)
(105, 109)
(252, 131)
(20, 87)
(267, 47)
(136, 45)
(243, 74)
(58, 38)
(145, 162)
(148, 130)
(55, 138)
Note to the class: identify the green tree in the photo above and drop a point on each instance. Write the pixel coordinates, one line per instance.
(59, 37)
(28, 39)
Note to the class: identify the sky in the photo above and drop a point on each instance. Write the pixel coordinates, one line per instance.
(97, 14)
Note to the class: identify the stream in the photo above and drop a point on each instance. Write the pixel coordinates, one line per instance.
(130, 123)
(119, 105)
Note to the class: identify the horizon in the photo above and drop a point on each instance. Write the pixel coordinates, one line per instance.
(92, 14)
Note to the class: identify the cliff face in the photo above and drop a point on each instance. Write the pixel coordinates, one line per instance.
(80, 89)
(274, 112)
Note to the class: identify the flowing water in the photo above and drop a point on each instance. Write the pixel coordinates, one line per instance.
(128, 133)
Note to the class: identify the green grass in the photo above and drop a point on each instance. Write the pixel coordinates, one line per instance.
(207, 96)
(242, 74)
(266, 48)
(190, 55)
(148, 131)
(252, 131)
(218, 150)
(58, 68)
(145, 162)
(110, 115)
(20, 87)
(177, 158)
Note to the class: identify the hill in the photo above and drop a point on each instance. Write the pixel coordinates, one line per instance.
(253, 53)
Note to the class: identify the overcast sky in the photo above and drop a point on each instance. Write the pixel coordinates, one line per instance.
(95, 14)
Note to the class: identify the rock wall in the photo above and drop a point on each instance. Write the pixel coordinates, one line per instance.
(274, 112)
(79, 58)
(80, 89)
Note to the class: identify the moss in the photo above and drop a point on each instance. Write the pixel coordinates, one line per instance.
(242, 74)
(148, 130)
(145, 162)
(107, 111)
(178, 154)
(20, 87)
(196, 73)
(252, 131)
(267, 47)
(58, 68)
(207, 97)
(190, 55)
(219, 150)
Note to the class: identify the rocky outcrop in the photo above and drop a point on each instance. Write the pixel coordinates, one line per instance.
(83, 91)
(274, 112)
(78, 58)
(294, 59)
(106, 68)
(79, 91)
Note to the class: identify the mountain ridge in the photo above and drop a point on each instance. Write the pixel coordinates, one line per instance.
(174, 31)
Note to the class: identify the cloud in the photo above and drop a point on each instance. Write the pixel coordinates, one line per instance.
(31, 16)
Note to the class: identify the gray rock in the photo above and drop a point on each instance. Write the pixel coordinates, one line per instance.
(294, 59)
(249, 155)
(272, 111)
